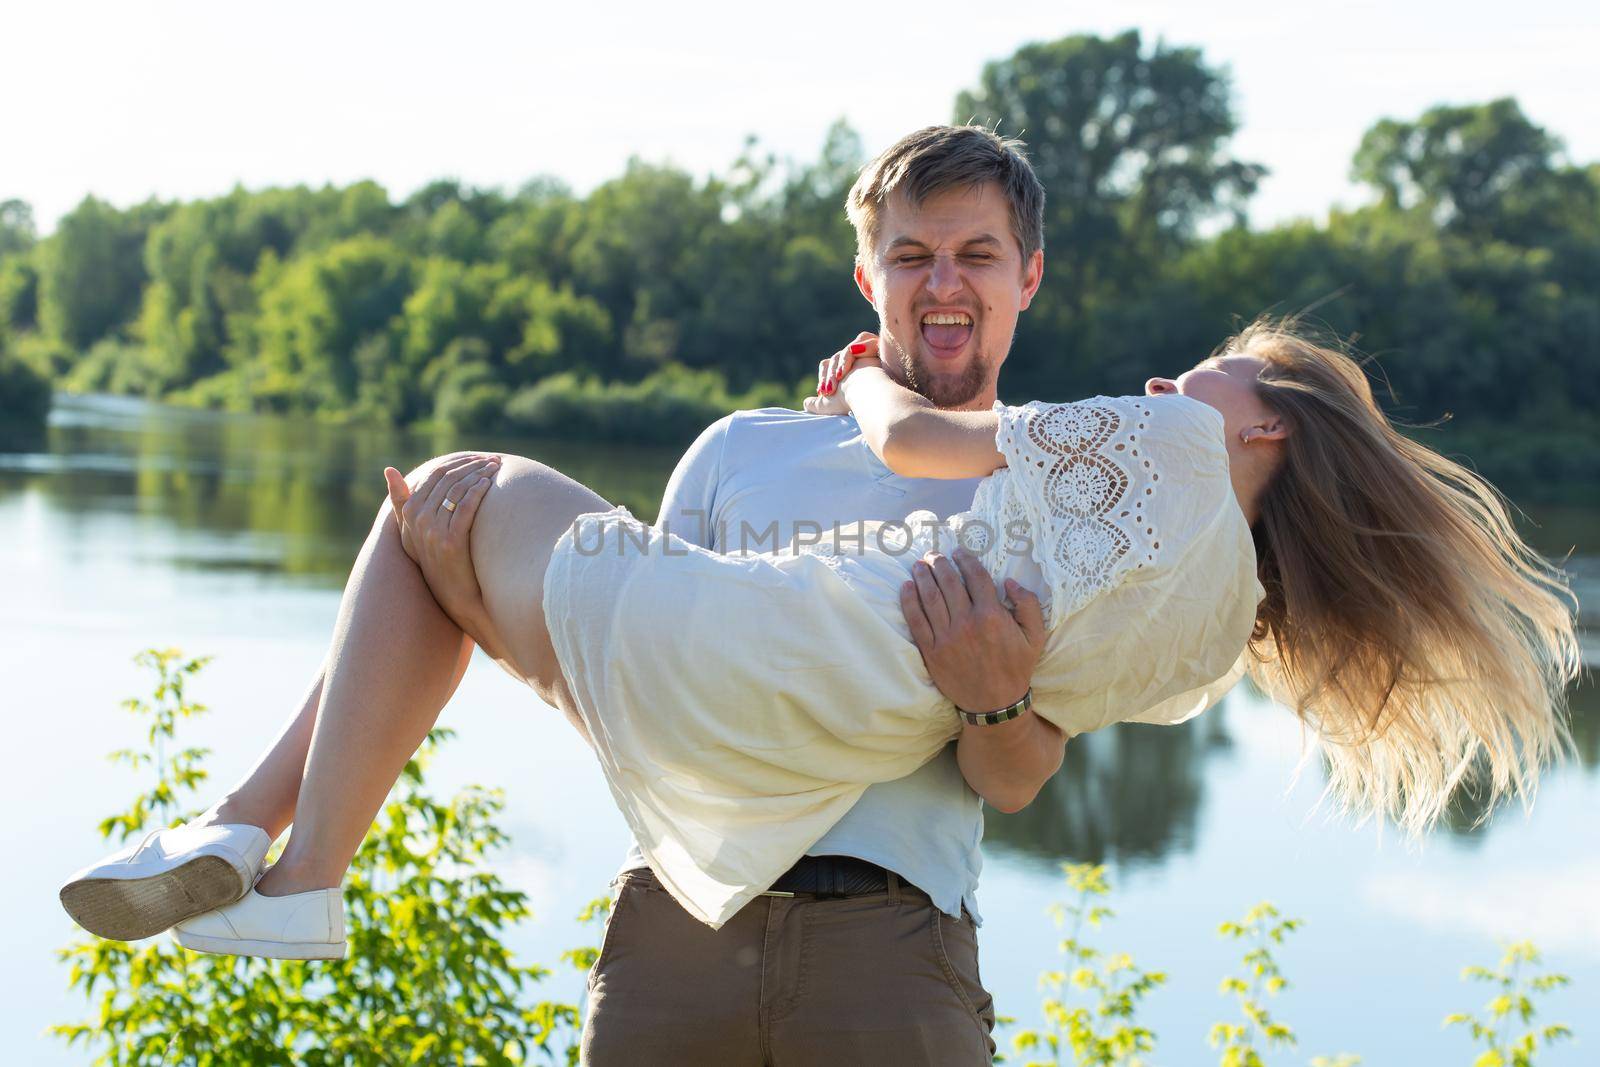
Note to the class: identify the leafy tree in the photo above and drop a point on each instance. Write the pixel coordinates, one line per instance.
(17, 231)
(1481, 169)
(534, 235)
(200, 261)
(19, 293)
(641, 250)
(91, 271)
(793, 299)
(454, 300)
(667, 406)
(317, 310)
(24, 397)
(1130, 145)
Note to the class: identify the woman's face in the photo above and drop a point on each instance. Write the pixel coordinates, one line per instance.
(1227, 383)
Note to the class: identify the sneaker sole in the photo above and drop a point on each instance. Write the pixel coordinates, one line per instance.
(274, 950)
(127, 909)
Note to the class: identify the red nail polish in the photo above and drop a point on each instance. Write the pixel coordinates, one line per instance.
(858, 348)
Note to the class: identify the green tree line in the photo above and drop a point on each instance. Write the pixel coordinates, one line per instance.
(657, 301)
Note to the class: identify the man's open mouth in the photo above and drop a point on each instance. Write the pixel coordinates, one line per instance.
(946, 333)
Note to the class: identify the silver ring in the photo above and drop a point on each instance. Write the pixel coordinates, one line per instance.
(448, 505)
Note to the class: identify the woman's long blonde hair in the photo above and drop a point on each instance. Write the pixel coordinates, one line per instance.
(1405, 621)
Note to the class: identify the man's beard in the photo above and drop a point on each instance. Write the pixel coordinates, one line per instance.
(944, 390)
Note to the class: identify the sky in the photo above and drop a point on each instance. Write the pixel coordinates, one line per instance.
(180, 99)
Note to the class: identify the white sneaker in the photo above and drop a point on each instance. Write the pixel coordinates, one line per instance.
(167, 877)
(300, 926)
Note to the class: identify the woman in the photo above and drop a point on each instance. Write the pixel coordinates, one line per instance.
(1256, 514)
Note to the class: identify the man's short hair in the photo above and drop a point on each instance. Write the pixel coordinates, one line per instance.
(935, 159)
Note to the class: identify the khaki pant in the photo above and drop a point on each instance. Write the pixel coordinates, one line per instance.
(881, 980)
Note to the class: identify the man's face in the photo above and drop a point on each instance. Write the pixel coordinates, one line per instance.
(947, 279)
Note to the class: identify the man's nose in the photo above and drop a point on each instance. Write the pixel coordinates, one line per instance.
(944, 280)
(1158, 386)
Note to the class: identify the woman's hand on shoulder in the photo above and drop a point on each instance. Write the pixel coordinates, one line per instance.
(832, 372)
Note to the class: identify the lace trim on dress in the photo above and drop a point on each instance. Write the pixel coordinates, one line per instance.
(1080, 483)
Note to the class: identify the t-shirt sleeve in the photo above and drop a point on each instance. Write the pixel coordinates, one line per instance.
(690, 500)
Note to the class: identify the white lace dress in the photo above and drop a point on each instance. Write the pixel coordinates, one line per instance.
(740, 704)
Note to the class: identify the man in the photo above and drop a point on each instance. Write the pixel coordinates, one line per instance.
(864, 952)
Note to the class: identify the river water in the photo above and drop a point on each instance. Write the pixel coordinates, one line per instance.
(135, 525)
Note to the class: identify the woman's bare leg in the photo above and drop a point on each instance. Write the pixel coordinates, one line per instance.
(266, 796)
(392, 664)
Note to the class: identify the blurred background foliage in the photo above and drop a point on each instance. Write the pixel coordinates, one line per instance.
(655, 303)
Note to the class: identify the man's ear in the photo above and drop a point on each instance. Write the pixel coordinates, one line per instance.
(1032, 275)
(864, 282)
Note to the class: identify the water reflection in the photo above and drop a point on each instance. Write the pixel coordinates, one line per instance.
(1129, 792)
(1465, 816)
(272, 495)
(1135, 792)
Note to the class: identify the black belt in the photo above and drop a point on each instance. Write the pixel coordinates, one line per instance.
(832, 876)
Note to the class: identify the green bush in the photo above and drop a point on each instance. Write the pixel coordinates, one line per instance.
(428, 978)
(1511, 1009)
(1099, 1031)
(669, 407)
(1091, 1005)
(219, 392)
(24, 398)
(42, 355)
(112, 365)
(471, 398)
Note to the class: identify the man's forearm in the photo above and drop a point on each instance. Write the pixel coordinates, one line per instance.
(1008, 763)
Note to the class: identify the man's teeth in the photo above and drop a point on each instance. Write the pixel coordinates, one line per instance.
(947, 320)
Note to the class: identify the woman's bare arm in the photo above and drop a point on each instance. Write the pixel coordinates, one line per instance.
(912, 436)
(915, 439)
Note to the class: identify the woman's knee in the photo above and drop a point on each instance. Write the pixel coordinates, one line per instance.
(528, 507)
(419, 474)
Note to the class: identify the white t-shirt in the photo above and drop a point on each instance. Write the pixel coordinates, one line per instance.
(752, 469)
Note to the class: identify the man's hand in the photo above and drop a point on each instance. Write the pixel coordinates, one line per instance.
(982, 655)
(439, 538)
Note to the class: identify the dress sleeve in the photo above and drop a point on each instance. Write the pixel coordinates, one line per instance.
(1141, 545)
(1185, 706)
(1078, 493)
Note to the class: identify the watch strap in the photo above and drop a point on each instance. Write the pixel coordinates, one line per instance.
(994, 718)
